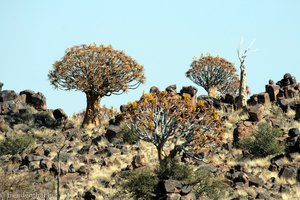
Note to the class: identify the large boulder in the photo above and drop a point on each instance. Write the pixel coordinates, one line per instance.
(243, 129)
(8, 95)
(171, 89)
(256, 113)
(59, 114)
(113, 133)
(172, 186)
(263, 98)
(138, 161)
(37, 100)
(192, 91)
(253, 100)
(272, 90)
(45, 118)
(294, 132)
(288, 79)
(288, 172)
(154, 90)
(289, 91)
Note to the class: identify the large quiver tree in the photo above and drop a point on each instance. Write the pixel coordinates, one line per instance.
(174, 125)
(214, 74)
(98, 71)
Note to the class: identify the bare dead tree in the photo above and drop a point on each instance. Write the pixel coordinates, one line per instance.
(242, 99)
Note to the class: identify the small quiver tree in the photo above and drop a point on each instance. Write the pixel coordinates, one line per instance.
(98, 71)
(174, 125)
(214, 74)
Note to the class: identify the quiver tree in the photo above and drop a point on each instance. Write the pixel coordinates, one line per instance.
(214, 74)
(98, 71)
(173, 124)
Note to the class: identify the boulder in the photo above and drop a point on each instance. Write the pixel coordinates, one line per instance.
(172, 186)
(263, 195)
(31, 158)
(288, 172)
(253, 100)
(34, 165)
(154, 90)
(285, 81)
(240, 177)
(273, 167)
(256, 113)
(9, 107)
(63, 169)
(8, 95)
(37, 100)
(230, 99)
(59, 114)
(116, 120)
(71, 169)
(285, 188)
(85, 149)
(112, 132)
(289, 91)
(255, 181)
(44, 118)
(82, 170)
(90, 194)
(45, 164)
(297, 115)
(186, 189)
(272, 90)
(171, 89)
(294, 132)
(16, 158)
(243, 129)
(192, 91)
(263, 98)
(138, 161)
(96, 140)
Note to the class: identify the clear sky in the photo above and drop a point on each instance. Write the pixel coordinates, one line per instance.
(161, 35)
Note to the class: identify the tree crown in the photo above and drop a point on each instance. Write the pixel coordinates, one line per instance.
(214, 72)
(96, 69)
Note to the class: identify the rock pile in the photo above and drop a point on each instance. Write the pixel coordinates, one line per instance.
(28, 107)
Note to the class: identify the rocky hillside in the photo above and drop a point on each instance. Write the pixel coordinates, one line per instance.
(43, 149)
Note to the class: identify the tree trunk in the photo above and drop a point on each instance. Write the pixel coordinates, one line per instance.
(243, 88)
(159, 154)
(92, 109)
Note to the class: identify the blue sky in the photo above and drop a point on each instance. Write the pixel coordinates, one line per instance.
(162, 35)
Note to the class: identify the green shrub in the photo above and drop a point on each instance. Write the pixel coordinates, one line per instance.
(15, 144)
(206, 185)
(201, 180)
(141, 183)
(175, 171)
(128, 135)
(262, 142)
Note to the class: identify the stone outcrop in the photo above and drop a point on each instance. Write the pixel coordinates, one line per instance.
(37, 100)
(29, 107)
